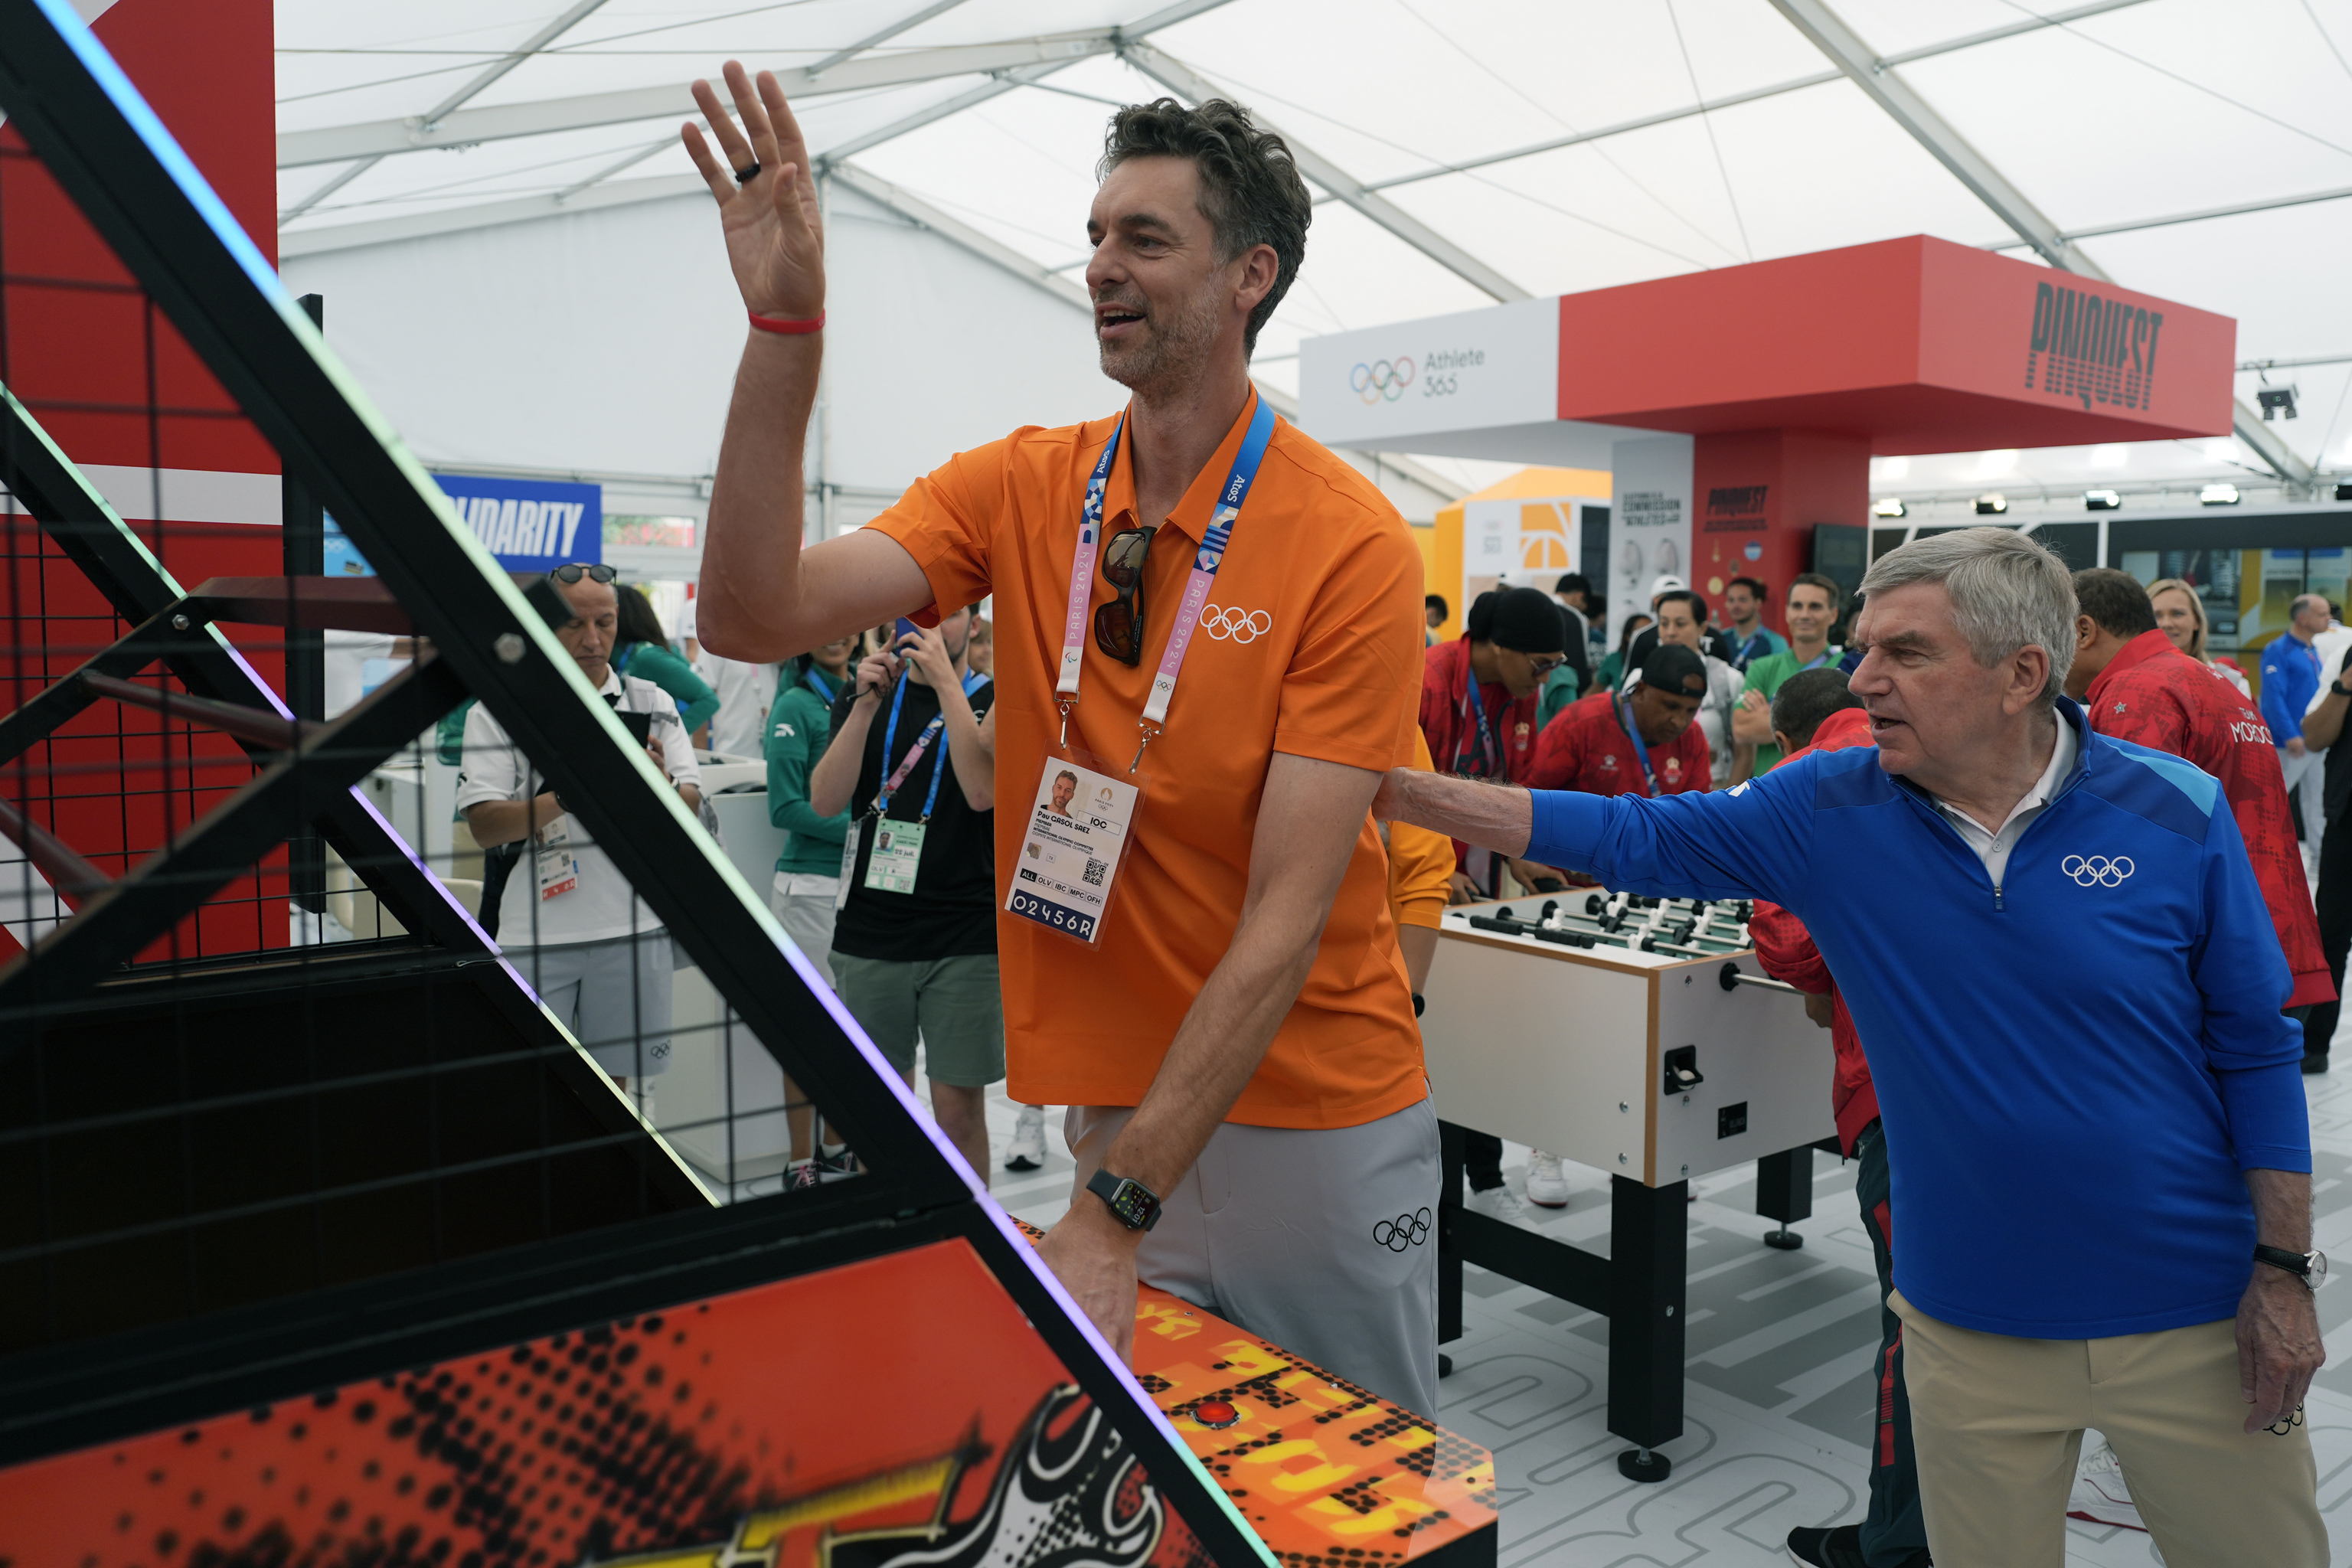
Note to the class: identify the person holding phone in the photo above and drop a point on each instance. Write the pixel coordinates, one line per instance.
(595, 954)
(912, 759)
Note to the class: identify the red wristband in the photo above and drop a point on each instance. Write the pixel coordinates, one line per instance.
(790, 329)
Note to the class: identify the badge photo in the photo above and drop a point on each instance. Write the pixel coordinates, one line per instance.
(1079, 825)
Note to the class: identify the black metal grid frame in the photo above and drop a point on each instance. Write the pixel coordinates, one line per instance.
(96, 137)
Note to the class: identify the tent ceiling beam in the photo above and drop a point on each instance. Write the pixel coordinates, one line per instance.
(455, 101)
(2234, 209)
(1187, 83)
(996, 86)
(882, 35)
(501, 121)
(1667, 116)
(1829, 33)
(496, 122)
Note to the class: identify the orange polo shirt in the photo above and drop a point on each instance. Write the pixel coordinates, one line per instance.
(1321, 589)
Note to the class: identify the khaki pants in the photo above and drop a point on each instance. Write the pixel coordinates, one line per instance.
(1998, 1424)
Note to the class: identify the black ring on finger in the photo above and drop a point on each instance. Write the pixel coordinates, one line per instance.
(744, 176)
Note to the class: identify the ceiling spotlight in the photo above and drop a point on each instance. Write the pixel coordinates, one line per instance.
(2101, 500)
(2275, 400)
(1888, 506)
(2218, 495)
(1991, 504)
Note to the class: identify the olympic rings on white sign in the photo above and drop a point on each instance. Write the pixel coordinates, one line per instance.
(1233, 624)
(1380, 379)
(2098, 871)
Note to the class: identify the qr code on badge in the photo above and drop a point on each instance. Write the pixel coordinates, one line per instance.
(1095, 869)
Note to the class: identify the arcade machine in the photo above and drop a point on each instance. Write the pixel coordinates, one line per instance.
(349, 1251)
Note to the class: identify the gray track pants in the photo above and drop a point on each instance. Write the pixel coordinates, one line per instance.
(1323, 1242)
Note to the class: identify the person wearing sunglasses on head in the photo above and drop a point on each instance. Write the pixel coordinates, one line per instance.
(1216, 624)
(596, 955)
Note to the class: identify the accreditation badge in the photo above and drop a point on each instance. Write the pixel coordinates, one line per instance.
(552, 857)
(1079, 825)
(897, 855)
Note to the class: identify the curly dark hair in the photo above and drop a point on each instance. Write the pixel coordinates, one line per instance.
(1250, 189)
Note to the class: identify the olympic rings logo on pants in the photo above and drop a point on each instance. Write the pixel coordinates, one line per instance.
(2097, 870)
(1380, 379)
(1229, 624)
(1405, 1230)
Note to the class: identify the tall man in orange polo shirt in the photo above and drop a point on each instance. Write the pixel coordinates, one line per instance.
(1219, 1000)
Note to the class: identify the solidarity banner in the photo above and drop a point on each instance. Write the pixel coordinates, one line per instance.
(530, 525)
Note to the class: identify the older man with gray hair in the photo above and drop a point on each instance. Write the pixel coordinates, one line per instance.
(2113, 1013)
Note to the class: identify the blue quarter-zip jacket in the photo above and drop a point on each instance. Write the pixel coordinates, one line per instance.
(2072, 1068)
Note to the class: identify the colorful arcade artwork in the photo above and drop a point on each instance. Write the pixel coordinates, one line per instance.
(820, 1422)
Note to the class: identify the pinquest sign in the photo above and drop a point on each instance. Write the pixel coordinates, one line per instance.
(530, 525)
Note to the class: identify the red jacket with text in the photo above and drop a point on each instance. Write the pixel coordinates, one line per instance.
(2154, 695)
(1785, 948)
(1585, 747)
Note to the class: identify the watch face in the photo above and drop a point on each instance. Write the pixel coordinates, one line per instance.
(1133, 1203)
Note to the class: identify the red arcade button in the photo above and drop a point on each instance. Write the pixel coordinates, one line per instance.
(1215, 1414)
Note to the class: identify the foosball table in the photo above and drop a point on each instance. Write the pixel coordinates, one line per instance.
(1636, 1036)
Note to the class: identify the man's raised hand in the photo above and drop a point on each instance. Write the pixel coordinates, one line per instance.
(775, 237)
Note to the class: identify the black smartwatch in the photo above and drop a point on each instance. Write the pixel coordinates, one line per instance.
(2337, 688)
(2302, 1265)
(1136, 1205)
(1419, 1003)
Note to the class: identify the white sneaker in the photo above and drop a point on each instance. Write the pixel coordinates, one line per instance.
(1026, 1149)
(1547, 1188)
(1499, 1202)
(2100, 1495)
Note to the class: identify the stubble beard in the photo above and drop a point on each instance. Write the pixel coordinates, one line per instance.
(1175, 347)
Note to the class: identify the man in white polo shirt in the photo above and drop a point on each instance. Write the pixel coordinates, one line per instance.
(588, 945)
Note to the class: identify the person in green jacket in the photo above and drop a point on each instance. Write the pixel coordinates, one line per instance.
(643, 650)
(808, 873)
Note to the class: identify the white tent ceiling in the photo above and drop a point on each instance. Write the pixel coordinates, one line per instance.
(1438, 131)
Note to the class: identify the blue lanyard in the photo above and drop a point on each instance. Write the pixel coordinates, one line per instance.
(1485, 733)
(1640, 747)
(972, 681)
(1817, 662)
(817, 681)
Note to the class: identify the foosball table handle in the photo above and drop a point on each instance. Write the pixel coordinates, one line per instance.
(1732, 979)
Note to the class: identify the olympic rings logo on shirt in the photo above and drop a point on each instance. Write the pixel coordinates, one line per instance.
(1405, 1230)
(2097, 870)
(1380, 379)
(1234, 625)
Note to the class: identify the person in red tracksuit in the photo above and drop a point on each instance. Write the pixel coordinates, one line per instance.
(1813, 711)
(2136, 686)
(1640, 741)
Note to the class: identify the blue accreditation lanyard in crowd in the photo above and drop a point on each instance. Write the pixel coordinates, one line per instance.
(898, 846)
(817, 684)
(1486, 731)
(1640, 747)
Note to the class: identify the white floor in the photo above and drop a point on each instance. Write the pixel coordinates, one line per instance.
(1779, 1400)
